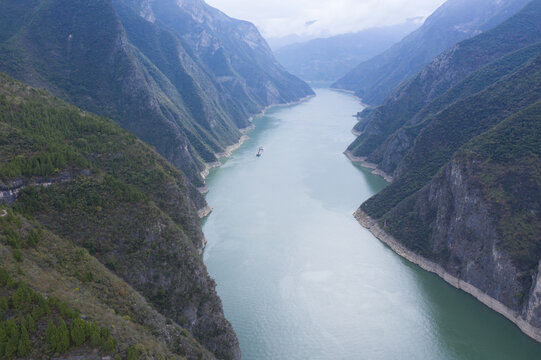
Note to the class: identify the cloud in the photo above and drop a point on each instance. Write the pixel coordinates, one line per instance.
(278, 18)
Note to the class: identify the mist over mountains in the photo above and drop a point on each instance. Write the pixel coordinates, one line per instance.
(328, 59)
(456, 20)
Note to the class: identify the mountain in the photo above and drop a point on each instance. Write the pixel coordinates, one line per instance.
(100, 221)
(461, 140)
(389, 131)
(328, 59)
(182, 76)
(278, 42)
(456, 20)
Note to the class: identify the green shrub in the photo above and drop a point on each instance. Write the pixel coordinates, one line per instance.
(57, 336)
(12, 338)
(24, 343)
(95, 337)
(110, 344)
(132, 353)
(18, 255)
(63, 340)
(33, 238)
(3, 307)
(78, 331)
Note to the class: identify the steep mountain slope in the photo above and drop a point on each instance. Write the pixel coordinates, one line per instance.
(388, 131)
(329, 59)
(455, 20)
(232, 50)
(121, 321)
(109, 59)
(477, 223)
(95, 185)
(464, 202)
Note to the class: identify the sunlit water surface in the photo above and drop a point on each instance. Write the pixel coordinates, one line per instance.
(301, 279)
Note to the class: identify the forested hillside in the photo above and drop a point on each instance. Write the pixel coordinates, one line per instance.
(184, 85)
(461, 140)
(456, 20)
(90, 203)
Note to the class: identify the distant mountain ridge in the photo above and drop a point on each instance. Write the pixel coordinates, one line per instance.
(328, 59)
(393, 126)
(147, 65)
(455, 20)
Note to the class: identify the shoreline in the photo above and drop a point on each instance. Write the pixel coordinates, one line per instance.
(362, 161)
(351, 92)
(229, 150)
(269, 107)
(204, 212)
(427, 265)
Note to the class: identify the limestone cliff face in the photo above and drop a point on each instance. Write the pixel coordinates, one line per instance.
(464, 239)
(477, 222)
(462, 245)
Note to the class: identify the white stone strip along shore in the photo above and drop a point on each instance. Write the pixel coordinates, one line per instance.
(428, 265)
(366, 164)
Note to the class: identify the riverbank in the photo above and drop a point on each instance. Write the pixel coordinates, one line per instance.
(375, 170)
(352, 93)
(373, 226)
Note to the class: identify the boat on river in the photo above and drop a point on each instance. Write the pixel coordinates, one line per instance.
(260, 151)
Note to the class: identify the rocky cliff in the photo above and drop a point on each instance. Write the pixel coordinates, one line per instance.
(468, 207)
(479, 220)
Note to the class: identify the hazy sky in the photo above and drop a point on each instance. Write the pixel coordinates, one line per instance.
(277, 18)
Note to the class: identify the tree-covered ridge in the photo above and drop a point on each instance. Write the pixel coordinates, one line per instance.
(117, 198)
(452, 76)
(107, 58)
(70, 303)
(453, 127)
(375, 79)
(27, 318)
(31, 325)
(51, 138)
(480, 217)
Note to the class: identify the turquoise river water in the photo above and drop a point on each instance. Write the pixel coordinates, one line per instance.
(301, 279)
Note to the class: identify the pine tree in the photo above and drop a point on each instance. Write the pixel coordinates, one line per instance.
(51, 334)
(63, 337)
(110, 344)
(24, 343)
(78, 333)
(95, 337)
(3, 307)
(30, 324)
(13, 338)
(3, 338)
(132, 353)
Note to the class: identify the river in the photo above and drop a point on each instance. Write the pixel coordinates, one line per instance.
(301, 279)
